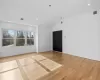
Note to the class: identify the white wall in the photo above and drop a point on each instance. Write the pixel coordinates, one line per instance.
(81, 35)
(44, 38)
(13, 10)
(14, 50)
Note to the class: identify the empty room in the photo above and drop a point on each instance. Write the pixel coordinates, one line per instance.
(49, 40)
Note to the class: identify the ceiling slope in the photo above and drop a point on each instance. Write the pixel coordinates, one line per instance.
(36, 12)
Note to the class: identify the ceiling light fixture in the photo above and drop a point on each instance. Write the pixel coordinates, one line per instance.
(49, 5)
(89, 3)
(21, 18)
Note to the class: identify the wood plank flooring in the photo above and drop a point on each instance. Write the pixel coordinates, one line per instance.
(11, 75)
(74, 68)
(36, 67)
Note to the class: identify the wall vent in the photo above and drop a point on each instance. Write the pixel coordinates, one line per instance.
(94, 12)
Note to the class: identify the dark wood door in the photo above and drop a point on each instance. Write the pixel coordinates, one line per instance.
(57, 41)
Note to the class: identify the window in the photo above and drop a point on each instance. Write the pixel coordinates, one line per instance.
(20, 40)
(30, 38)
(8, 37)
(17, 38)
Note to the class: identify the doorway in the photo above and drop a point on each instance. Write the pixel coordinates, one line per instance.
(57, 41)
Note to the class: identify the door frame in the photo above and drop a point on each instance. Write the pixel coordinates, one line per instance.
(62, 41)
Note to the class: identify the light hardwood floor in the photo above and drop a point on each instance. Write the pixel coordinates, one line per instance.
(74, 68)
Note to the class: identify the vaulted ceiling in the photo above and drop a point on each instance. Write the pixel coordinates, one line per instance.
(37, 12)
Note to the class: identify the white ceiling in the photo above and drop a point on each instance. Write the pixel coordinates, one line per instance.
(30, 10)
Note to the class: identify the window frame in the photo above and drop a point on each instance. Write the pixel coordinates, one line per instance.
(15, 37)
(20, 38)
(29, 38)
(7, 38)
